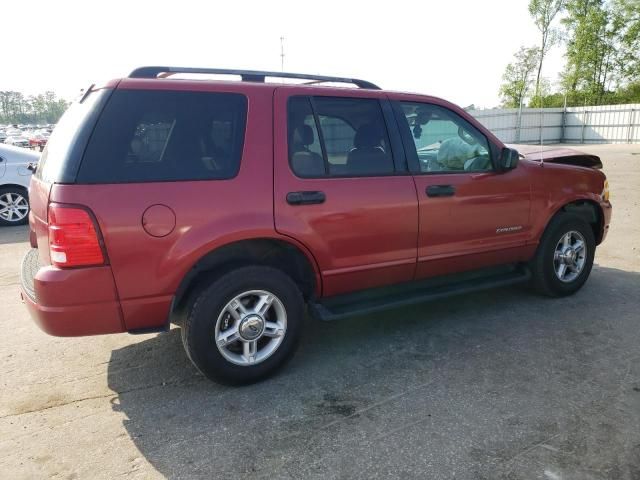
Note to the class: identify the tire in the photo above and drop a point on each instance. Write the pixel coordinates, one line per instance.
(232, 301)
(554, 250)
(14, 206)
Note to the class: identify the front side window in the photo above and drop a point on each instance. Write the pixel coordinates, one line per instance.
(334, 136)
(155, 136)
(444, 141)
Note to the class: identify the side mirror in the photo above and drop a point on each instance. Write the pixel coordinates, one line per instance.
(508, 159)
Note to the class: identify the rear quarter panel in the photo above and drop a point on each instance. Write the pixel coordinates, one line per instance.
(13, 168)
(39, 203)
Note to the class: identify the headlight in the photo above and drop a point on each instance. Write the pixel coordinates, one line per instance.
(605, 191)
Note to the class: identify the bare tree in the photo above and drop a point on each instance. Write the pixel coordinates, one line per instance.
(543, 13)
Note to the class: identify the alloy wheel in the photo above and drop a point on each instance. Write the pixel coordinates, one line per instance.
(570, 256)
(14, 207)
(251, 327)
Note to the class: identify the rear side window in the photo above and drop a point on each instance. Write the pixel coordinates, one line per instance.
(305, 153)
(336, 136)
(156, 136)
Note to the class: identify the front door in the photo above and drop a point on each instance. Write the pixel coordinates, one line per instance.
(339, 188)
(471, 215)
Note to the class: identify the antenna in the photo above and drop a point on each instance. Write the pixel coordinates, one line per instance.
(282, 54)
(541, 134)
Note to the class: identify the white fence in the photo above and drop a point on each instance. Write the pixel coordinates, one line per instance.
(602, 124)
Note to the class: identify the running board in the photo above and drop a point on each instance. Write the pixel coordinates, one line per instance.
(385, 298)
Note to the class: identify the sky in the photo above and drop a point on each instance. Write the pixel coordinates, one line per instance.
(452, 49)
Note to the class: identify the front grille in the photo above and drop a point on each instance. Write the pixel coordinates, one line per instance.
(30, 266)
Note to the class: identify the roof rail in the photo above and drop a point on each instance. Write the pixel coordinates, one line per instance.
(246, 75)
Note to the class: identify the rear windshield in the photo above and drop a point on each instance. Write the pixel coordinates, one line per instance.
(155, 136)
(61, 156)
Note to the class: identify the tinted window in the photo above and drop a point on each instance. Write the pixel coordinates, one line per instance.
(60, 158)
(338, 139)
(444, 141)
(305, 153)
(341, 137)
(154, 136)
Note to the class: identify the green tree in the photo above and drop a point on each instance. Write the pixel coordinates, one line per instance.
(602, 54)
(544, 12)
(592, 49)
(518, 76)
(38, 105)
(626, 20)
(544, 91)
(41, 108)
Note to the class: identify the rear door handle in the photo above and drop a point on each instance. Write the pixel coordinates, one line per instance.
(305, 198)
(440, 191)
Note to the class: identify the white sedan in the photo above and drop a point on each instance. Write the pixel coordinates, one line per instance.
(17, 140)
(16, 166)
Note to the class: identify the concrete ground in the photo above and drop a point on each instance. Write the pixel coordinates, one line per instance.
(499, 384)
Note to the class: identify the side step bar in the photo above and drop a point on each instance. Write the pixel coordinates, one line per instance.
(379, 299)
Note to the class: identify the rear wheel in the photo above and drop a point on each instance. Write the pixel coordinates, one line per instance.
(244, 325)
(565, 255)
(14, 206)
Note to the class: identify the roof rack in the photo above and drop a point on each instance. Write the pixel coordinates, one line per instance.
(246, 75)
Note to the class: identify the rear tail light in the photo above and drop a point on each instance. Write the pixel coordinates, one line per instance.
(73, 237)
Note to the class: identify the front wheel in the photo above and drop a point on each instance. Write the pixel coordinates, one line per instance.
(565, 256)
(244, 326)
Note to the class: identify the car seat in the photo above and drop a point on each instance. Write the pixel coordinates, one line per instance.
(303, 161)
(368, 156)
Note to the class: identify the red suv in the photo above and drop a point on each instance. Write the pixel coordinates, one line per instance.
(227, 206)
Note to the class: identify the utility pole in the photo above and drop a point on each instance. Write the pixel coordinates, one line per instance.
(519, 120)
(282, 54)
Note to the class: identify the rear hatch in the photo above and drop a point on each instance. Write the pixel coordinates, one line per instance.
(61, 158)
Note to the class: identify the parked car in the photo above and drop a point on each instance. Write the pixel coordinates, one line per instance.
(226, 207)
(15, 175)
(38, 140)
(3, 136)
(13, 132)
(17, 141)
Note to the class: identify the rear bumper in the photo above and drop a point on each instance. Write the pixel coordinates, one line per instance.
(70, 302)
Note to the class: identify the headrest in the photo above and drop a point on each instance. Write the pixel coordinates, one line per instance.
(304, 135)
(368, 135)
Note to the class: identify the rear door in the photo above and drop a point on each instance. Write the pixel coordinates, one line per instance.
(341, 187)
(471, 215)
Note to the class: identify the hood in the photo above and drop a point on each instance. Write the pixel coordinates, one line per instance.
(567, 156)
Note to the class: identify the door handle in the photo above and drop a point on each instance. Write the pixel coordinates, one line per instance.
(440, 191)
(305, 198)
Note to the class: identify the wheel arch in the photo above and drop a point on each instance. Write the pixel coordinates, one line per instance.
(587, 209)
(15, 185)
(290, 258)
